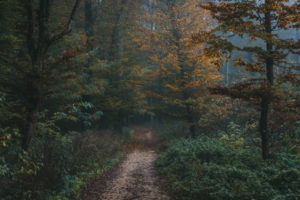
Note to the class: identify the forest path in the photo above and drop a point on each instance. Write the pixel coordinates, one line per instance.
(135, 178)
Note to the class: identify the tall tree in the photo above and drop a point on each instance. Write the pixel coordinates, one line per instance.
(179, 75)
(121, 69)
(259, 20)
(35, 68)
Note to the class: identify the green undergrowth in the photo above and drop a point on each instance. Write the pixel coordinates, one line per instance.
(58, 166)
(226, 169)
(169, 131)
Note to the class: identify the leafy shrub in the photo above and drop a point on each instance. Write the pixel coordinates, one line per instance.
(169, 131)
(215, 169)
(95, 148)
(57, 166)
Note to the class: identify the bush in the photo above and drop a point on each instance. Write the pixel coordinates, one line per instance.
(215, 169)
(169, 131)
(57, 166)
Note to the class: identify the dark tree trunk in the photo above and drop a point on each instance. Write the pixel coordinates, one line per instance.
(89, 18)
(114, 44)
(265, 101)
(32, 104)
(193, 131)
(30, 127)
(264, 127)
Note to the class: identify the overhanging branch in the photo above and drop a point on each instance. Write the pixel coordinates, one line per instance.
(67, 28)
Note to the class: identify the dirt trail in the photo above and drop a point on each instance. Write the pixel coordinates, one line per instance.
(135, 178)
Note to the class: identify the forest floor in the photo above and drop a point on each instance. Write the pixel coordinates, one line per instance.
(135, 177)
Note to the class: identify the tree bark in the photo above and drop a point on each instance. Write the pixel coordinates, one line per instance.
(114, 44)
(89, 18)
(264, 127)
(193, 131)
(32, 103)
(265, 101)
(30, 127)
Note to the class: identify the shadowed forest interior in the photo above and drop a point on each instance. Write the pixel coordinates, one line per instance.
(202, 94)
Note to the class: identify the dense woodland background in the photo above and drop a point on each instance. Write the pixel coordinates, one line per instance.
(218, 81)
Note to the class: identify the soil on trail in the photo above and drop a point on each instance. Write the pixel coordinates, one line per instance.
(135, 178)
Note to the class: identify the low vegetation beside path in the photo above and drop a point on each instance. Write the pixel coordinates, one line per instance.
(225, 168)
(58, 167)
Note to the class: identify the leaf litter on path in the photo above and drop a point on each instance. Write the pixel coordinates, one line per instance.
(135, 178)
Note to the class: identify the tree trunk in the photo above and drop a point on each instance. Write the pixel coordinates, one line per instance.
(264, 127)
(89, 18)
(114, 43)
(265, 101)
(193, 131)
(32, 106)
(227, 73)
(30, 128)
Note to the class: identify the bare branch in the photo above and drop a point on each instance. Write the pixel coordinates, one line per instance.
(67, 28)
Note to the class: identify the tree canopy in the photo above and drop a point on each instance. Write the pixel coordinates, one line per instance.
(218, 81)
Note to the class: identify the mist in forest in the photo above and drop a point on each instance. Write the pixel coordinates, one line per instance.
(149, 99)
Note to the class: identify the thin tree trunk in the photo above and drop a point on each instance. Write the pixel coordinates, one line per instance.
(264, 127)
(227, 74)
(89, 18)
(193, 131)
(265, 102)
(30, 128)
(32, 105)
(114, 46)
